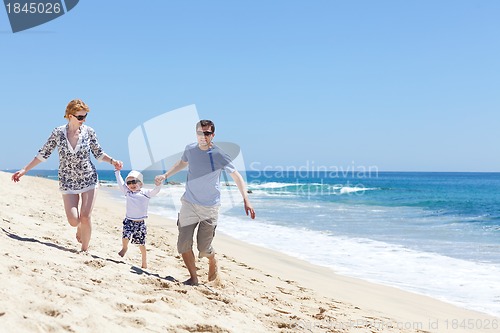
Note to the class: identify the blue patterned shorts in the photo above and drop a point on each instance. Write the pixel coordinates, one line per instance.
(135, 231)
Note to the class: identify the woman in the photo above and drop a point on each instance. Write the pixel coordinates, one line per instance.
(77, 175)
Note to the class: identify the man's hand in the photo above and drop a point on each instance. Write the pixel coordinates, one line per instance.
(249, 209)
(159, 179)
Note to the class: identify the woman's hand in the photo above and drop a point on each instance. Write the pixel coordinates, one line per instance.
(17, 175)
(117, 164)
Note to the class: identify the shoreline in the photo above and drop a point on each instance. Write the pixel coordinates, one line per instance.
(406, 308)
(258, 289)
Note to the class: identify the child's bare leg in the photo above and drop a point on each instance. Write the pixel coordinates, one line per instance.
(124, 247)
(143, 252)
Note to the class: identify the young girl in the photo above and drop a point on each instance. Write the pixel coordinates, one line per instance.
(134, 224)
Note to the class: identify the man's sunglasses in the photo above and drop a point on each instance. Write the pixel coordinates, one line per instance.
(133, 182)
(80, 117)
(200, 133)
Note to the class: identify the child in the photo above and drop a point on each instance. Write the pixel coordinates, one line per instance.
(134, 224)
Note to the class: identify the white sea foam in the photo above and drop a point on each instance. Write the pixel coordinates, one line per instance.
(452, 280)
(270, 185)
(348, 189)
(305, 189)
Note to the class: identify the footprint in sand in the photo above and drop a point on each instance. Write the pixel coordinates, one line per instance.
(321, 314)
(126, 307)
(155, 282)
(284, 291)
(52, 312)
(181, 291)
(219, 298)
(15, 270)
(203, 328)
(95, 263)
(48, 238)
(136, 322)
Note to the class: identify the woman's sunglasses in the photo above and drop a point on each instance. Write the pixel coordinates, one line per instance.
(133, 182)
(80, 117)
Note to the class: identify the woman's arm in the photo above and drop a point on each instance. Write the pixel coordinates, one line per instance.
(43, 154)
(18, 174)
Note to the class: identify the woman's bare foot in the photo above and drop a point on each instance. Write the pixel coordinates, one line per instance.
(78, 234)
(212, 269)
(144, 266)
(122, 252)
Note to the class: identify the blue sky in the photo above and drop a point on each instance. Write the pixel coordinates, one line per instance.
(400, 85)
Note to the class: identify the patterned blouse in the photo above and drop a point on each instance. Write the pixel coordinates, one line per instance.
(77, 174)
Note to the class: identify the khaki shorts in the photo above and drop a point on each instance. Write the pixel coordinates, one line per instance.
(192, 216)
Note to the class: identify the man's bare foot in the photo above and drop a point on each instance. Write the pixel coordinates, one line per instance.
(212, 269)
(190, 282)
(122, 252)
(144, 266)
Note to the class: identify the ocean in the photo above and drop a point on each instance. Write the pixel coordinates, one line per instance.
(435, 234)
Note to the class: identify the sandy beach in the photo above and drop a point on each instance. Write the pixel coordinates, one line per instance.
(49, 286)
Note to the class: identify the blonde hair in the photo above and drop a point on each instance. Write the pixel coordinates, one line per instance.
(74, 106)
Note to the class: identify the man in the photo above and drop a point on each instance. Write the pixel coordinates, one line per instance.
(201, 200)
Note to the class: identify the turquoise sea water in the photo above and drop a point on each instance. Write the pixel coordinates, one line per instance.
(436, 234)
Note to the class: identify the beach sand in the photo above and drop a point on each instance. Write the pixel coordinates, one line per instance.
(47, 285)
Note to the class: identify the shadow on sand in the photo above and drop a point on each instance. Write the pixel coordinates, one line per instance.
(133, 269)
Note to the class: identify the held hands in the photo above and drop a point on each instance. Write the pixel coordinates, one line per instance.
(160, 179)
(117, 164)
(158, 182)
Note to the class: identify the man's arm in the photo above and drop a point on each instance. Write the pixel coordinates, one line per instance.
(178, 166)
(238, 179)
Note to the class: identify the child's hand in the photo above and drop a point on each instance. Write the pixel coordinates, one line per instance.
(159, 179)
(118, 165)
